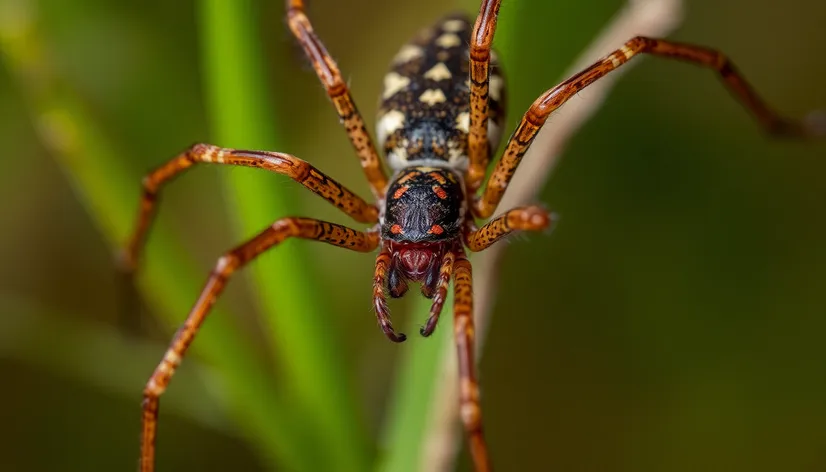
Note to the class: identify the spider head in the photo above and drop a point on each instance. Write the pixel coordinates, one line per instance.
(424, 205)
(422, 219)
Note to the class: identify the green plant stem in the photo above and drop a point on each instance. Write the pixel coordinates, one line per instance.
(294, 316)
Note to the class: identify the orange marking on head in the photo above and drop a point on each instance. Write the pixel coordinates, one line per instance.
(399, 192)
(396, 229)
(438, 177)
(410, 175)
(436, 229)
(440, 192)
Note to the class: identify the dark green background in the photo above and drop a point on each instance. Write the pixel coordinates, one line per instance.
(674, 321)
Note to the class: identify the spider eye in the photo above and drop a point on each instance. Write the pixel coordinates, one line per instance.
(440, 192)
(436, 229)
(399, 192)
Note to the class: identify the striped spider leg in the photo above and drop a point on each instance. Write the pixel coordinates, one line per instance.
(304, 228)
(281, 163)
(552, 99)
(337, 91)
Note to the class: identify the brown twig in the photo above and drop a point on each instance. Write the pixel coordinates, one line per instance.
(638, 17)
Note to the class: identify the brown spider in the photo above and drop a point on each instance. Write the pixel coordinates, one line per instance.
(441, 114)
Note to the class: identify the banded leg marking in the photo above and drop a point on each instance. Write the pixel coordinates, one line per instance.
(532, 218)
(469, 402)
(480, 52)
(549, 101)
(285, 164)
(327, 71)
(304, 228)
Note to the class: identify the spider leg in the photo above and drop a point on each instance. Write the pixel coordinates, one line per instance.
(470, 408)
(293, 167)
(380, 300)
(337, 90)
(549, 101)
(481, 40)
(445, 271)
(530, 218)
(230, 262)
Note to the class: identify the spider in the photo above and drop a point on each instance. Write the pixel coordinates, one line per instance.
(441, 114)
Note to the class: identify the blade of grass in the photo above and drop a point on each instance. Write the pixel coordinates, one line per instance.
(102, 183)
(294, 315)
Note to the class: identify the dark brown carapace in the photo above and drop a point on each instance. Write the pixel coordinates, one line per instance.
(423, 216)
(440, 117)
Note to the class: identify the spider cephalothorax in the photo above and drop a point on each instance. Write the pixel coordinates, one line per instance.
(441, 114)
(423, 216)
(423, 205)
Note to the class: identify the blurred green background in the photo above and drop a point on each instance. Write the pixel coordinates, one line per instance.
(674, 321)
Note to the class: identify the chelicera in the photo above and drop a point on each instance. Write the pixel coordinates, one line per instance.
(440, 117)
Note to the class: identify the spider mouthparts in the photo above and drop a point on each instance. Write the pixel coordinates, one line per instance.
(429, 326)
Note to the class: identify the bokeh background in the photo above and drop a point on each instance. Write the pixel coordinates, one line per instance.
(674, 321)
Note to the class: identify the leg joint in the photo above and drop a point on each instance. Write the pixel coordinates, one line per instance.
(294, 7)
(724, 65)
(153, 390)
(471, 415)
(226, 264)
(479, 53)
(150, 187)
(288, 226)
(198, 149)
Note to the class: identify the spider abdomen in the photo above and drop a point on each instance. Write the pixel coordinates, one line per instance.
(424, 108)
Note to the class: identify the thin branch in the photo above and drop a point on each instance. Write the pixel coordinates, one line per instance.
(638, 17)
